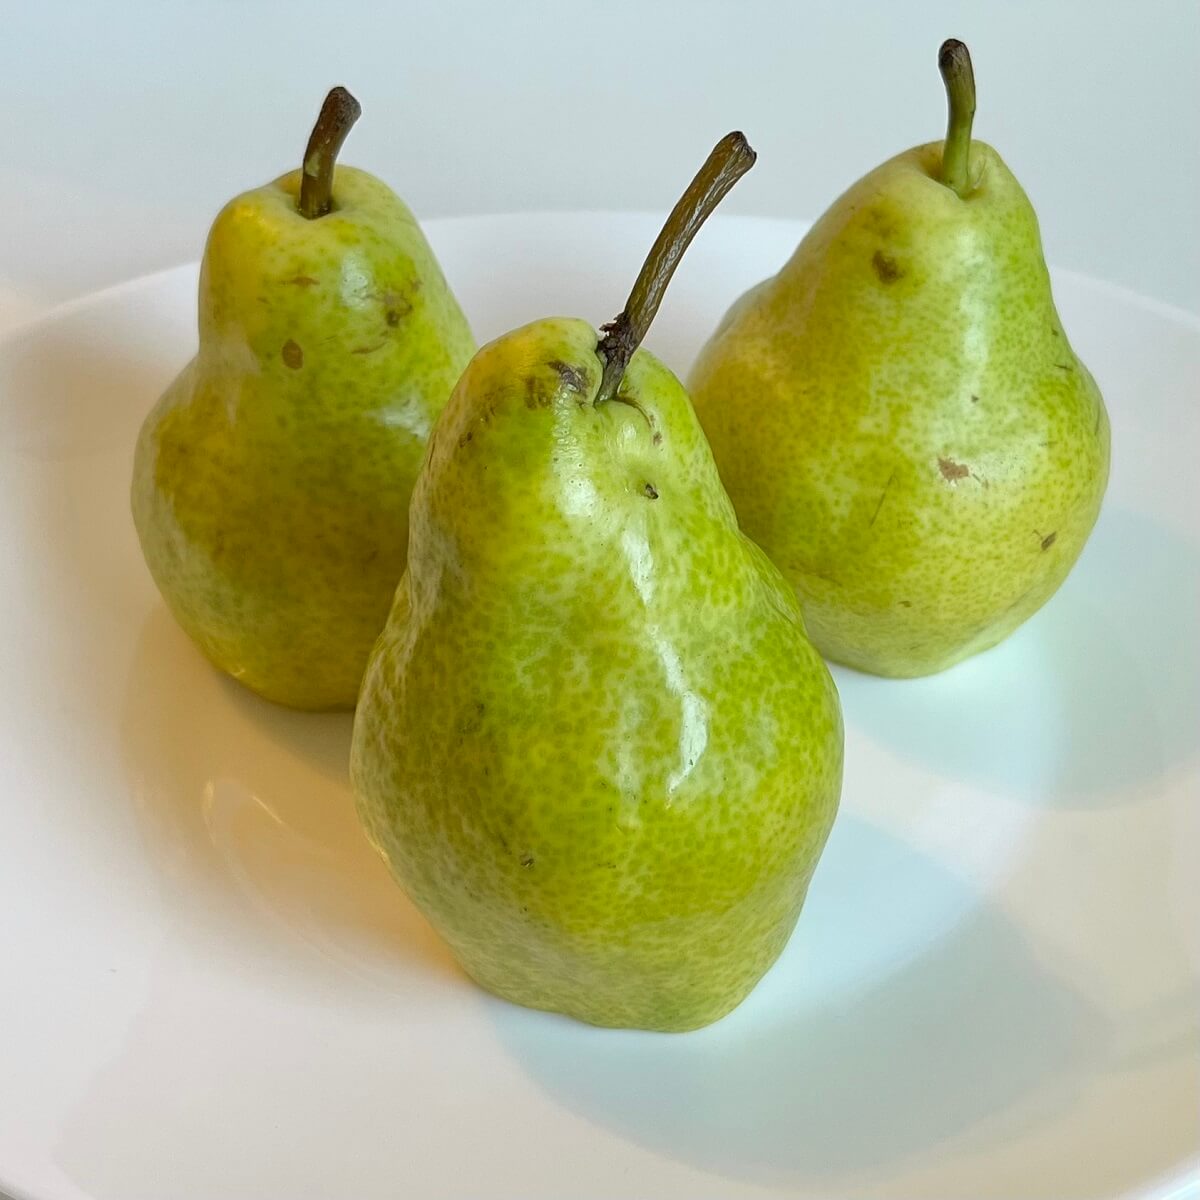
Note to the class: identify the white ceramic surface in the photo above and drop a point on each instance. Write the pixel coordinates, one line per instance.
(211, 989)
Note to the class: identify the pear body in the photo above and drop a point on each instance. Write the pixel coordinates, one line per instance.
(901, 422)
(271, 481)
(594, 743)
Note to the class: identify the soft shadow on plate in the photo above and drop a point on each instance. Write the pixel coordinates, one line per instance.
(1088, 705)
(847, 1067)
(250, 804)
(815, 1082)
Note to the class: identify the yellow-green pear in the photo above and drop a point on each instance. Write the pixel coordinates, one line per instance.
(271, 481)
(594, 743)
(899, 417)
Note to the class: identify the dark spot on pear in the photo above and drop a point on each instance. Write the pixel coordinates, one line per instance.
(536, 396)
(657, 438)
(527, 860)
(466, 437)
(974, 398)
(574, 378)
(303, 281)
(952, 471)
(651, 491)
(886, 268)
(367, 349)
(906, 604)
(292, 355)
(1048, 540)
(396, 305)
(1063, 366)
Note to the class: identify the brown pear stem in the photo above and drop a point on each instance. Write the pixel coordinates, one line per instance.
(337, 117)
(730, 159)
(954, 62)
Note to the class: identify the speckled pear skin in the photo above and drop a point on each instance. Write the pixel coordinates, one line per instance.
(594, 743)
(271, 482)
(901, 422)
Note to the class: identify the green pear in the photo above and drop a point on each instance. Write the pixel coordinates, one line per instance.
(594, 743)
(899, 417)
(271, 481)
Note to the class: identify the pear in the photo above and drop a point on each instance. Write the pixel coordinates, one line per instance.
(898, 416)
(594, 743)
(271, 481)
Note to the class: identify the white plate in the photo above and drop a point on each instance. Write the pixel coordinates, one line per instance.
(212, 989)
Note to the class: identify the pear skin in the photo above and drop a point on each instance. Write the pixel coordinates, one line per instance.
(901, 422)
(594, 743)
(271, 481)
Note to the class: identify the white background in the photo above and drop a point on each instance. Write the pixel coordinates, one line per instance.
(127, 125)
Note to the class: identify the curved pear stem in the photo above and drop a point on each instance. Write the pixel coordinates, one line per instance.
(337, 117)
(954, 62)
(730, 159)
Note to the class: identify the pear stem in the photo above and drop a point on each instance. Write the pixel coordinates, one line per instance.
(954, 62)
(730, 159)
(337, 117)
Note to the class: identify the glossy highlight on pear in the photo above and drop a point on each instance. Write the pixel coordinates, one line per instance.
(899, 416)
